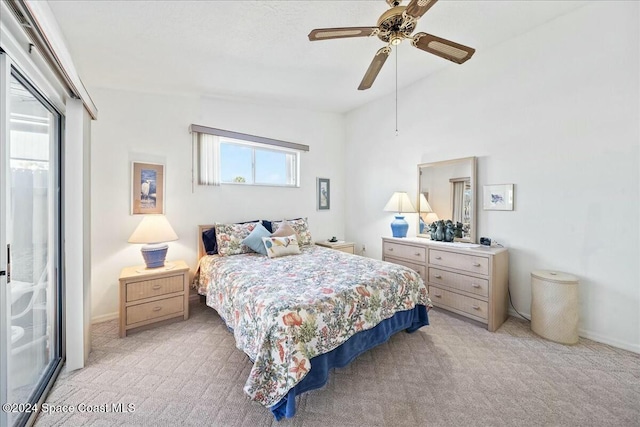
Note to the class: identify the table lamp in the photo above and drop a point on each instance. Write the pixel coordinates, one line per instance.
(424, 207)
(399, 202)
(154, 231)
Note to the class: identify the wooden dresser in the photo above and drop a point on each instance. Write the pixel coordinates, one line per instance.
(152, 295)
(470, 281)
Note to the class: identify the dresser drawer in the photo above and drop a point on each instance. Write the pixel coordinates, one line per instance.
(471, 263)
(406, 252)
(421, 269)
(459, 302)
(152, 310)
(459, 281)
(154, 287)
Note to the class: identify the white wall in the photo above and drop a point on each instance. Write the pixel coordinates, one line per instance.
(154, 128)
(555, 111)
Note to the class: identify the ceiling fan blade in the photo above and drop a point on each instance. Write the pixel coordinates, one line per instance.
(443, 48)
(373, 70)
(342, 33)
(417, 8)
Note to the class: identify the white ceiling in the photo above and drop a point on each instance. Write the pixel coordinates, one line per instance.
(258, 51)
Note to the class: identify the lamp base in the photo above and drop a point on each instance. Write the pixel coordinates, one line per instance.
(399, 226)
(154, 255)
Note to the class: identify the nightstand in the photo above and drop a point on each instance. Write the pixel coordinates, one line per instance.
(150, 295)
(340, 245)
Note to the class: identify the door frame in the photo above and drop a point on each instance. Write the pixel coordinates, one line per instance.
(9, 69)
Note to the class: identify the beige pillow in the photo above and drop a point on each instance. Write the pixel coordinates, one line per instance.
(301, 227)
(284, 230)
(281, 246)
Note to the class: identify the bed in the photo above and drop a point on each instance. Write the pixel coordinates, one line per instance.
(298, 316)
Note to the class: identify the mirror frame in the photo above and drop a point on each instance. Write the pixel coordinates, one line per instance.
(472, 183)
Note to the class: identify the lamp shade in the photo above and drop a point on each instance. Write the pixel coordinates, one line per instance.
(424, 207)
(399, 202)
(431, 217)
(153, 229)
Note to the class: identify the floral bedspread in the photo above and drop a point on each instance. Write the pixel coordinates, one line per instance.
(284, 311)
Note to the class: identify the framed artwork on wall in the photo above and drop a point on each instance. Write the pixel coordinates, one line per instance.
(147, 188)
(498, 197)
(324, 193)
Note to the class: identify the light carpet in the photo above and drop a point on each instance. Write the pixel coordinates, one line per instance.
(451, 373)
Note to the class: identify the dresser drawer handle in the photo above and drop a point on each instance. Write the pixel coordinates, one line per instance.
(437, 295)
(476, 264)
(156, 287)
(438, 257)
(475, 285)
(417, 254)
(475, 307)
(157, 308)
(390, 249)
(437, 276)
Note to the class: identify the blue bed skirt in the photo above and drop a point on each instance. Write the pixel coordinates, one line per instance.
(409, 320)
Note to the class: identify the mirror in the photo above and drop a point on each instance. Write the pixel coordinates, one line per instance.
(447, 190)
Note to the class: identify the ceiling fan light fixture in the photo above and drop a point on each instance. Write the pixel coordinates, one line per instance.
(396, 38)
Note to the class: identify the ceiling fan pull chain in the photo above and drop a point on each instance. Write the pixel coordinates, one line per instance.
(397, 90)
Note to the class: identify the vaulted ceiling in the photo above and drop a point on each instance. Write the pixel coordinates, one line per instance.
(258, 51)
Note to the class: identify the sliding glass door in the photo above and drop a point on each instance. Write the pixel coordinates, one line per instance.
(30, 232)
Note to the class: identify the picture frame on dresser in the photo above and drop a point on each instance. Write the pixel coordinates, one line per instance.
(147, 188)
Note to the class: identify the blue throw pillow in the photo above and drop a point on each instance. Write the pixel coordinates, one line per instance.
(254, 239)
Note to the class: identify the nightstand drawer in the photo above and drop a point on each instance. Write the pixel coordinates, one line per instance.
(459, 281)
(409, 253)
(155, 309)
(347, 249)
(154, 287)
(459, 302)
(474, 264)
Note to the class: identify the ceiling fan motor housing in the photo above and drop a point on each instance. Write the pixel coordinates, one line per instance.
(392, 28)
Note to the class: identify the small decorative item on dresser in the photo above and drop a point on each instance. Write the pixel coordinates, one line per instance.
(150, 296)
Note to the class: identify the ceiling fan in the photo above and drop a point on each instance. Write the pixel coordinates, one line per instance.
(395, 25)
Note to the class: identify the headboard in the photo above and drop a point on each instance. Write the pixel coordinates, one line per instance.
(202, 229)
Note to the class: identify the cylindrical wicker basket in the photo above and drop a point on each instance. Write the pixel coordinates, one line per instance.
(554, 306)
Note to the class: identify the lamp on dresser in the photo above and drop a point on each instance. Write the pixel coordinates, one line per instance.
(399, 202)
(424, 207)
(154, 231)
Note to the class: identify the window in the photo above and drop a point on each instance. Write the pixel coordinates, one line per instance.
(245, 159)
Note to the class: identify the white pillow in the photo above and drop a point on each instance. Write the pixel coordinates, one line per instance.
(280, 246)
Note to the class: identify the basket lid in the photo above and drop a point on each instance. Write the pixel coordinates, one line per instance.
(554, 276)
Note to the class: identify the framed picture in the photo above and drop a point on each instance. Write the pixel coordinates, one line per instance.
(147, 188)
(498, 197)
(324, 194)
